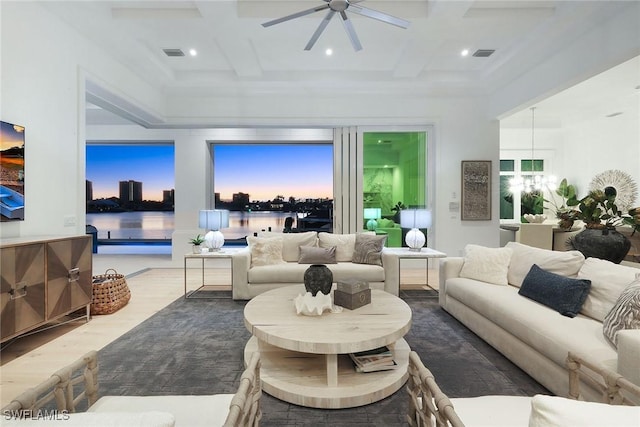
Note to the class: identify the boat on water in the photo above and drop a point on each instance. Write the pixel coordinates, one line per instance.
(11, 203)
(320, 220)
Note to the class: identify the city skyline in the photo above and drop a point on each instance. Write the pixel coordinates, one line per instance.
(303, 171)
(153, 165)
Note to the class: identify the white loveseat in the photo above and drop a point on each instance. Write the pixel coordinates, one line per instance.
(535, 337)
(249, 280)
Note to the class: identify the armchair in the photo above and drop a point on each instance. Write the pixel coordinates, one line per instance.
(75, 387)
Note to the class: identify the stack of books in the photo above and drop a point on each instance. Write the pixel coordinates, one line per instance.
(378, 359)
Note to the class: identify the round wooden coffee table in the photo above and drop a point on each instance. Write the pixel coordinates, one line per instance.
(305, 358)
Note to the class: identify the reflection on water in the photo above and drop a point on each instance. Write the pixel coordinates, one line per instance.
(160, 225)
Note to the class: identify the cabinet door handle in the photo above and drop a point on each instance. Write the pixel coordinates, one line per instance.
(74, 275)
(19, 291)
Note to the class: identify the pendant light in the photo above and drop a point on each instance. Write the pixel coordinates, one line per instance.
(536, 181)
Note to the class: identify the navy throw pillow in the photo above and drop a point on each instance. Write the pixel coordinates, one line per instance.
(563, 294)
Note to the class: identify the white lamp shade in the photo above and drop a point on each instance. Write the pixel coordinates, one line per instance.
(372, 213)
(415, 218)
(214, 219)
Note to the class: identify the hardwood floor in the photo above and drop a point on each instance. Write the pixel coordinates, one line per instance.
(27, 361)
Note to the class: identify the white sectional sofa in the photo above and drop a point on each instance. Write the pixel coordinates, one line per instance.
(249, 279)
(532, 335)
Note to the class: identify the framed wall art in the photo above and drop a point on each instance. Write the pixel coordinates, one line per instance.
(476, 190)
(11, 172)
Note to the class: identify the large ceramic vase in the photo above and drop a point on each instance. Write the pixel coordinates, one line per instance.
(604, 244)
(318, 278)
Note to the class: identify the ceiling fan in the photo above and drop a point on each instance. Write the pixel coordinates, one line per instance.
(341, 7)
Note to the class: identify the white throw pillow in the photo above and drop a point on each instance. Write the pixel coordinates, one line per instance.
(265, 251)
(344, 244)
(486, 264)
(291, 242)
(608, 280)
(559, 262)
(552, 411)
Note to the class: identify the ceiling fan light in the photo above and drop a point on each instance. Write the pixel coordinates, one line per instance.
(341, 7)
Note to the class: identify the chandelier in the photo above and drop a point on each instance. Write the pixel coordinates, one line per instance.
(535, 181)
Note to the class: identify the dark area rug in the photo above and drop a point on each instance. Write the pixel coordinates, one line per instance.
(196, 347)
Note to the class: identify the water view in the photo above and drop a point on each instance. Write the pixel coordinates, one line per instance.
(160, 225)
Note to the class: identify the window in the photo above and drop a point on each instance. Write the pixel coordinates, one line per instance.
(264, 184)
(515, 205)
(394, 177)
(130, 191)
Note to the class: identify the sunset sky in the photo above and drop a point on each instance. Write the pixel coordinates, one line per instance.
(262, 171)
(267, 170)
(11, 135)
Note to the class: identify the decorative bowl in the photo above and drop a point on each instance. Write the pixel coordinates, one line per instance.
(535, 219)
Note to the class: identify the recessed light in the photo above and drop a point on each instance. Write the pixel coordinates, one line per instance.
(193, 52)
(328, 52)
(464, 52)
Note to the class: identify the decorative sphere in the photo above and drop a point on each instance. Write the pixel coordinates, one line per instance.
(415, 239)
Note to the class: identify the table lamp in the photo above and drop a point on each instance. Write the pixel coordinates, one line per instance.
(372, 214)
(214, 220)
(415, 219)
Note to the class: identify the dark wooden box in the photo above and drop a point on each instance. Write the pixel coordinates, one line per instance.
(352, 301)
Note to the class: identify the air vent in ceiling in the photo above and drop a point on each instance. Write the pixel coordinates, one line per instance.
(173, 52)
(483, 53)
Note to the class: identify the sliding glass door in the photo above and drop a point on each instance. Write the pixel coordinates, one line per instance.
(394, 177)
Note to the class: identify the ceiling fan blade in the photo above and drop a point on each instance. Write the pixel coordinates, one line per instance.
(296, 15)
(351, 31)
(380, 16)
(320, 29)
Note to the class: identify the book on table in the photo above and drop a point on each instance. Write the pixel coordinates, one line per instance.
(378, 359)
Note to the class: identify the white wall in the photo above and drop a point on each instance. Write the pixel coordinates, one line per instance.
(603, 143)
(43, 69)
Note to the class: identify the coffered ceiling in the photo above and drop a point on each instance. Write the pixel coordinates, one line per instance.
(236, 54)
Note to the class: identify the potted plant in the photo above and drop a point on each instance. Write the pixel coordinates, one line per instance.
(196, 242)
(600, 215)
(397, 208)
(564, 210)
(598, 210)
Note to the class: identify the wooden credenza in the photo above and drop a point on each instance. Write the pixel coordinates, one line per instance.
(43, 279)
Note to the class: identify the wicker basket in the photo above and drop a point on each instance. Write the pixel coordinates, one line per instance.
(110, 292)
